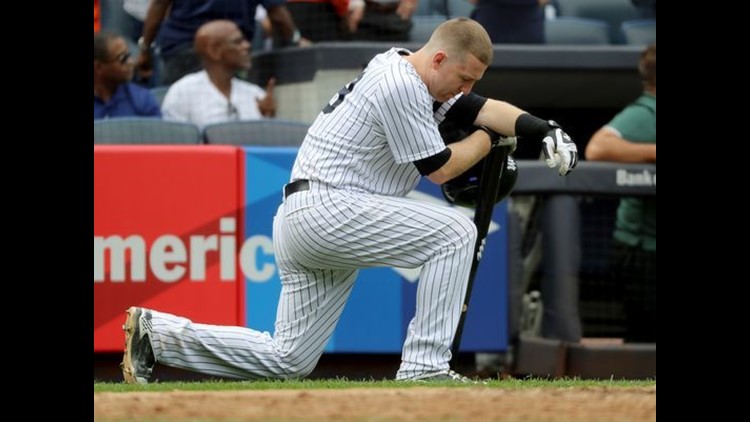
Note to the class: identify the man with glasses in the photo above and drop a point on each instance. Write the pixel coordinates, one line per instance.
(114, 94)
(214, 94)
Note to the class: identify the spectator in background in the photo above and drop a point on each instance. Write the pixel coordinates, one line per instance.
(177, 20)
(646, 8)
(512, 21)
(114, 94)
(631, 138)
(381, 20)
(266, 30)
(135, 14)
(321, 20)
(97, 16)
(132, 28)
(214, 94)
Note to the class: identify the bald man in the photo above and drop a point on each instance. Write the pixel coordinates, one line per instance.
(177, 21)
(214, 94)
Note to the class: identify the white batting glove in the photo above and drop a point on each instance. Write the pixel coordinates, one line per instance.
(559, 149)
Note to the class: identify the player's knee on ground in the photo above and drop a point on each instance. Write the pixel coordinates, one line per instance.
(298, 371)
(296, 365)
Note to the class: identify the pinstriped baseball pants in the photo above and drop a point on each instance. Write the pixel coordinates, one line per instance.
(321, 238)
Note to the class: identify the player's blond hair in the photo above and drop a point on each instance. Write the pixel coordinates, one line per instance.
(460, 36)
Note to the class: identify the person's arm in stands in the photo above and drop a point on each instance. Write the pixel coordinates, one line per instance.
(157, 11)
(282, 22)
(267, 105)
(607, 145)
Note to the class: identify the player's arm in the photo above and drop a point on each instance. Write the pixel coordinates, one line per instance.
(559, 149)
(509, 120)
(499, 116)
(460, 156)
(456, 158)
(608, 145)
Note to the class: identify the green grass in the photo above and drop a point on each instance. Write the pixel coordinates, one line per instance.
(100, 387)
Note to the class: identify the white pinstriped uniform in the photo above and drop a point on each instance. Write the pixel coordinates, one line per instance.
(358, 156)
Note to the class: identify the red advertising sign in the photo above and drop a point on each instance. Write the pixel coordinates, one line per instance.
(167, 228)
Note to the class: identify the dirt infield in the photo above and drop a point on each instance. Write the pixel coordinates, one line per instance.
(407, 404)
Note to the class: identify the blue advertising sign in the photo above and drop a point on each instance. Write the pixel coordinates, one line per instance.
(382, 302)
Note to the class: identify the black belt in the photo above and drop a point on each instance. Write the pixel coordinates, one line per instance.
(296, 186)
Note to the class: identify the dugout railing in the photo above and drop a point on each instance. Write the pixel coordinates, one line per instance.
(561, 297)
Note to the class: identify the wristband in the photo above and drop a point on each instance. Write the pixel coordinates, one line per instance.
(142, 44)
(528, 125)
(296, 38)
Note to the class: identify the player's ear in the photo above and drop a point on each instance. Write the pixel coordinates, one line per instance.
(438, 59)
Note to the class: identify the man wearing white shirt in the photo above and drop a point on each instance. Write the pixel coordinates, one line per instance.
(214, 94)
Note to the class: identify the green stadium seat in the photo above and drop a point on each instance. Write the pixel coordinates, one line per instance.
(576, 31)
(144, 131)
(269, 132)
(639, 31)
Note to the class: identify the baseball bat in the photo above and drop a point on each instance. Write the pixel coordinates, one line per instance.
(489, 181)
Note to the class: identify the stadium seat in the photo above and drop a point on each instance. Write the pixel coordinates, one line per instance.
(576, 31)
(268, 132)
(430, 7)
(614, 12)
(639, 31)
(144, 131)
(459, 8)
(422, 27)
(113, 15)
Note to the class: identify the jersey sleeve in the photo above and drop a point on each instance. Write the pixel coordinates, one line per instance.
(407, 118)
(461, 110)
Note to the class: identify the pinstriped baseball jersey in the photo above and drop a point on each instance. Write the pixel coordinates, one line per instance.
(371, 131)
(358, 160)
